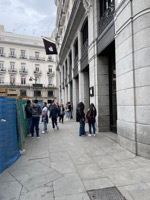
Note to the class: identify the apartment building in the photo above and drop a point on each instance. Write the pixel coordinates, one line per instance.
(25, 69)
(104, 58)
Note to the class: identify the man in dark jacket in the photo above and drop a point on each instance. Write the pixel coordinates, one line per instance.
(36, 112)
(54, 114)
(28, 112)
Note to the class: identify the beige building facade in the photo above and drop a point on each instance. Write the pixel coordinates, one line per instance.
(104, 58)
(25, 69)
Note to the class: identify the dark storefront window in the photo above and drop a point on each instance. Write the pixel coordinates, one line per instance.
(50, 93)
(37, 93)
(22, 92)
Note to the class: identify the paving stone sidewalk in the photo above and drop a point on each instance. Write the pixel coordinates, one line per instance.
(63, 166)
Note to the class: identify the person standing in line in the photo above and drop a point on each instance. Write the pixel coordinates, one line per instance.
(61, 113)
(28, 112)
(45, 117)
(90, 116)
(80, 117)
(69, 110)
(36, 112)
(54, 115)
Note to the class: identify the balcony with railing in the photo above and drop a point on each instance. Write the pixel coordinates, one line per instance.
(2, 70)
(107, 17)
(23, 71)
(50, 74)
(23, 57)
(2, 54)
(12, 71)
(12, 55)
(50, 85)
(37, 73)
(15, 84)
(36, 58)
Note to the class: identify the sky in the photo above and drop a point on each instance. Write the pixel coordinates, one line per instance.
(28, 17)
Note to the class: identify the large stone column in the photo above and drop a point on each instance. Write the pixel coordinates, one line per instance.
(75, 95)
(141, 31)
(84, 88)
(125, 78)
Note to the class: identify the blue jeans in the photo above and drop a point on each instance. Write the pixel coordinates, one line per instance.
(35, 123)
(29, 122)
(82, 128)
(91, 125)
(45, 125)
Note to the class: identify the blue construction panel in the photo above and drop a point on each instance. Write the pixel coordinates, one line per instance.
(9, 151)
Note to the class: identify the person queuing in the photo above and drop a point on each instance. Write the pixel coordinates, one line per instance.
(45, 117)
(54, 115)
(90, 116)
(80, 117)
(61, 113)
(36, 112)
(28, 112)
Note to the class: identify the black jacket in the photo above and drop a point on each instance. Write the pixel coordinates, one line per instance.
(28, 111)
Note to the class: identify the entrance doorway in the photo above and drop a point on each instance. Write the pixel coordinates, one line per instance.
(112, 93)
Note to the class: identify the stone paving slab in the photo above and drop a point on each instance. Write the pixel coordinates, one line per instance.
(63, 166)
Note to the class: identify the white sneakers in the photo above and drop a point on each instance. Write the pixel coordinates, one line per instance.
(43, 131)
(91, 135)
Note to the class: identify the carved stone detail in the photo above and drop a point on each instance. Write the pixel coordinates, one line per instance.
(87, 5)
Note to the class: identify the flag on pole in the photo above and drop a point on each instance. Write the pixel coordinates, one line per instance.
(50, 47)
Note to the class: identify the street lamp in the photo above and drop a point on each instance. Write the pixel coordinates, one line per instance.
(34, 79)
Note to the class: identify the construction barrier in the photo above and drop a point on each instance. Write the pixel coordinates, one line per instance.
(9, 150)
(21, 121)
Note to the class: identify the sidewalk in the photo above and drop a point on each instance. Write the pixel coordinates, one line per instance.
(63, 166)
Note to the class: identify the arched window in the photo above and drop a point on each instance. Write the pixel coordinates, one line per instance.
(23, 80)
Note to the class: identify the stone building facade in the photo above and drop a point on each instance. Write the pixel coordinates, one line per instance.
(25, 69)
(104, 58)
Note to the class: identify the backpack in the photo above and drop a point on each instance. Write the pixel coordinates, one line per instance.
(77, 115)
(88, 115)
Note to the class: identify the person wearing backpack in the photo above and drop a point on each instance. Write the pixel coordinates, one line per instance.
(36, 112)
(90, 117)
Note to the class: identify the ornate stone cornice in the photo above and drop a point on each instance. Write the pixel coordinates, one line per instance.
(87, 5)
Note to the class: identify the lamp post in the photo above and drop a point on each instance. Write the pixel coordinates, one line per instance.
(34, 79)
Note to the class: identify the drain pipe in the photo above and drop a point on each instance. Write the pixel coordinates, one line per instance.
(134, 85)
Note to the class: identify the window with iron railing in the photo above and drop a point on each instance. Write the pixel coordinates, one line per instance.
(1, 65)
(12, 52)
(23, 80)
(23, 66)
(12, 66)
(1, 51)
(37, 67)
(107, 9)
(37, 55)
(12, 79)
(1, 79)
(23, 53)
